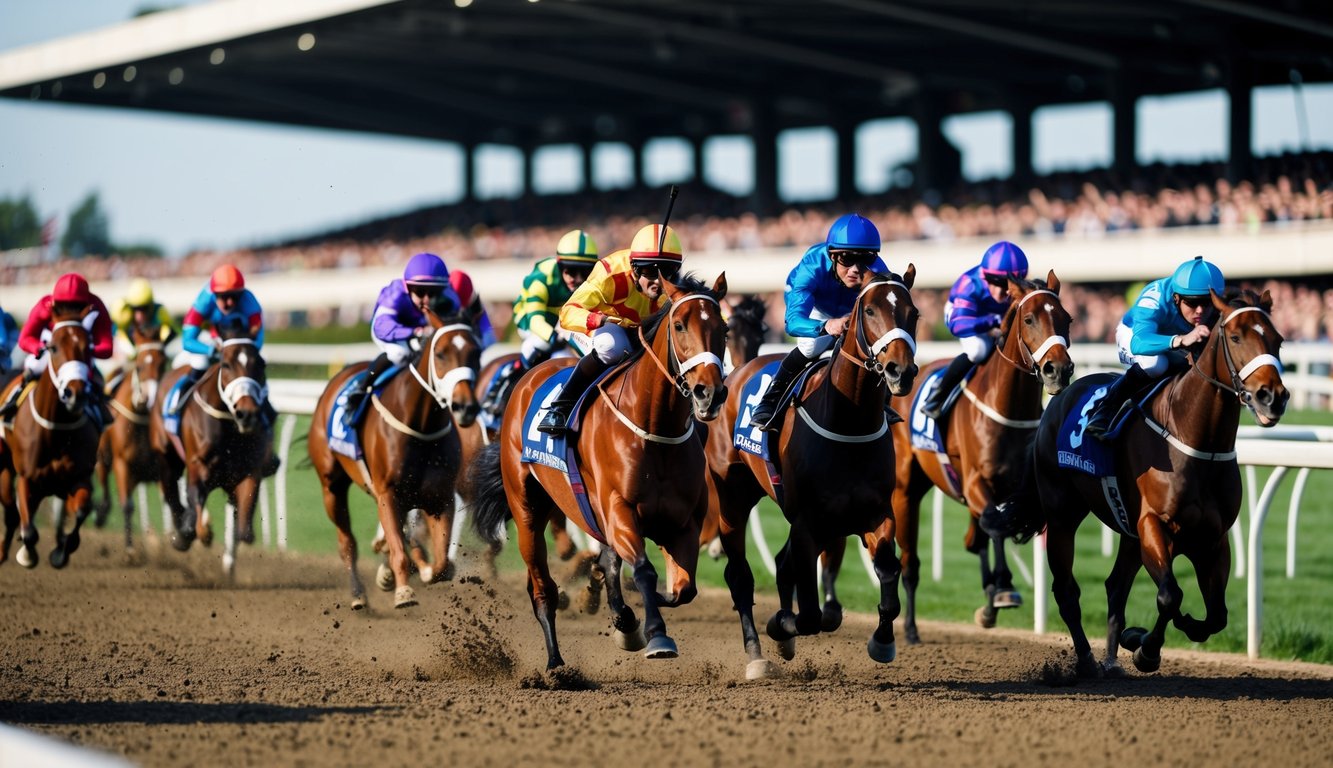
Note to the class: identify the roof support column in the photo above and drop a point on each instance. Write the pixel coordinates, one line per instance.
(764, 135)
(587, 166)
(938, 163)
(845, 131)
(697, 147)
(1124, 128)
(468, 171)
(1021, 114)
(1240, 160)
(528, 168)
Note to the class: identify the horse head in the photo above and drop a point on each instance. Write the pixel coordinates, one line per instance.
(1247, 345)
(1038, 325)
(70, 350)
(746, 329)
(884, 327)
(241, 378)
(150, 362)
(696, 338)
(448, 365)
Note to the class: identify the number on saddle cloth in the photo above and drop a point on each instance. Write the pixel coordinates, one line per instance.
(926, 432)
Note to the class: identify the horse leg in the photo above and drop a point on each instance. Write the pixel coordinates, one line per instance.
(628, 630)
(565, 548)
(740, 581)
(1128, 560)
(881, 645)
(246, 495)
(1005, 594)
(392, 523)
(985, 615)
(782, 624)
(125, 497)
(79, 503)
(1060, 554)
(440, 524)
(542, 591)
(907, 526)
(27, 503)
(102, 470)
(1212, 567)
(335, 506)
(830, 562)
(11, 512)
(1147, 645)
(660, 645)
(802, 555)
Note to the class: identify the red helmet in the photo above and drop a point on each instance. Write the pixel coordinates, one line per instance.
(72, 287)
(226, 278)
(462, 285)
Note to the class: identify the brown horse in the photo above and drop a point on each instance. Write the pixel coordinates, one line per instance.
(412, 454)
(1175, 490)
(985, 436)
(125, 447)
(642, 467)
(222, 444)
(829, 460)
(51, 445)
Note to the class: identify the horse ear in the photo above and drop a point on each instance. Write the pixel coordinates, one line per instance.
(909, 276)
(720, 285)
(1053, 282)
(1266, 301)
(1218, 301)
(1015, 288)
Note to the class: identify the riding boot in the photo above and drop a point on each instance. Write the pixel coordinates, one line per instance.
(11, 404)
(1119, 393)
(191, 378)
(952, 375)
(557, 413)
(357, 397)
(764, 415)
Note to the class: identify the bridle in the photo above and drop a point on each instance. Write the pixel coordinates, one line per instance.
(236, 389)
(440, 387)
(674, 363)
(868, 350)
(70, 371)
(1238, 377)
(1031, 360)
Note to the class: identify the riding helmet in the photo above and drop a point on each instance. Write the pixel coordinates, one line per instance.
(426, 269)
(226, 279)
(1004, 258)
(576, 249)
(140, 293)
(1196, 277)
(853, 232)
(650, 247)
(73, 288)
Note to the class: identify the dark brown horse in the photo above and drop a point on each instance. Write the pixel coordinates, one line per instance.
(51, 445)
(222, 444)
(642, 467)
(831, 454)
(125, 447)
(1176, 487)
(412, 453)
(986, 434)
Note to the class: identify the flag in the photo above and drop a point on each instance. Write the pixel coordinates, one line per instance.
(49, 231)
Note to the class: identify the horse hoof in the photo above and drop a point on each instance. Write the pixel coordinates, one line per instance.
(59, 558)
(247, 536)
(911, 635)
(1146, 663)
(359, 603)
(1131, 639)
(882, 652)
(715, 552)
(985, 617)
(384, 577)
(1008, 599)
(631, 641)
(786, 648)
(661, 647)
(562, 601)
(404, 597)
(26, 558)
(762, 669)
(450, 570)
(831, 617)
(206, 535)
(427, 574)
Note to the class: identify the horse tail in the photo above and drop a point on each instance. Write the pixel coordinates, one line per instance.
(490, 506)
(1020, 515)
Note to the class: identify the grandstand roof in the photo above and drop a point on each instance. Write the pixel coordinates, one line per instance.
(528, 73)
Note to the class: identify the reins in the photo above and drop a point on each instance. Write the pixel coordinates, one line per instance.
(1031, 359)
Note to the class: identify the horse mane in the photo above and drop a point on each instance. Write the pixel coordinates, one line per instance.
(688, 283)
(752, 310)
(235, 329)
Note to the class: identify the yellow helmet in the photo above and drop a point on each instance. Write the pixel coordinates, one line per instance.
(644, 248)
(576, 248)
(140, 293)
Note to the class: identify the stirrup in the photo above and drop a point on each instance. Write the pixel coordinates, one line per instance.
(556, 421)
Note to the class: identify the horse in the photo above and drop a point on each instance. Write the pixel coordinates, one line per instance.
(984, 439)
(412, 452)
(830, 454)
(125, 447)
(1175, 489)
(222, 443)
(642, 467)
(50, 447)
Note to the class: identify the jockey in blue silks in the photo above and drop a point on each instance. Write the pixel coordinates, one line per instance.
(820, 294)
(400, 317)
(1171, 314)
(222, 302)
(976, 307)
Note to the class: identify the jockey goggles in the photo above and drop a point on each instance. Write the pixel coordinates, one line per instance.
(652, 271)
(853, 258)
(1194, 302)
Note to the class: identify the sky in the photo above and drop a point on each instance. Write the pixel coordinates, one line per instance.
(188, 182)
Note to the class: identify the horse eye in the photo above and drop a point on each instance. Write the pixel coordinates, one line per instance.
(1030, 320)
(680, 327)
(870, 311)
(1235, 338)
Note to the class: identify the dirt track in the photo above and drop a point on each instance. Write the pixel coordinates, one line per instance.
(167, 666)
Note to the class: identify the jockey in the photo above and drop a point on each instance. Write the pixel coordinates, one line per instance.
(9, 338)
(622, 290)
(469, 301)
(400, 318)
(71, 289)
(976, 306)
(821, 291)
(138, 310)
(536, 312)
(1171, 314)
(224, 300)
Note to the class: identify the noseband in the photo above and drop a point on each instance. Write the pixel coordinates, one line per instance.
(673, 361)
(1031, 360)
(441, 386)
(1238, 377)
(869, 358)
(237, 388)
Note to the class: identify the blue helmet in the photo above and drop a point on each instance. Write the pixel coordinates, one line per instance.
(853, 232)
(1004, 258)
(426, 269)
(1196, 277)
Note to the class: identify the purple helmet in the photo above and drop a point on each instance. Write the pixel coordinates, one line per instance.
(426, 269)
(1004, 258)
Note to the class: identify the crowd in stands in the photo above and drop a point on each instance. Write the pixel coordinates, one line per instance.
(1289, 188)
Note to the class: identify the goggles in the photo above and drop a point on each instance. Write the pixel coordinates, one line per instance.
(652, 271)
(849, 258)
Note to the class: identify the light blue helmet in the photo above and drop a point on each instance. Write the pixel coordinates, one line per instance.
(1004, 258)
(426, 269)
(1196, 277)
(853, 232)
